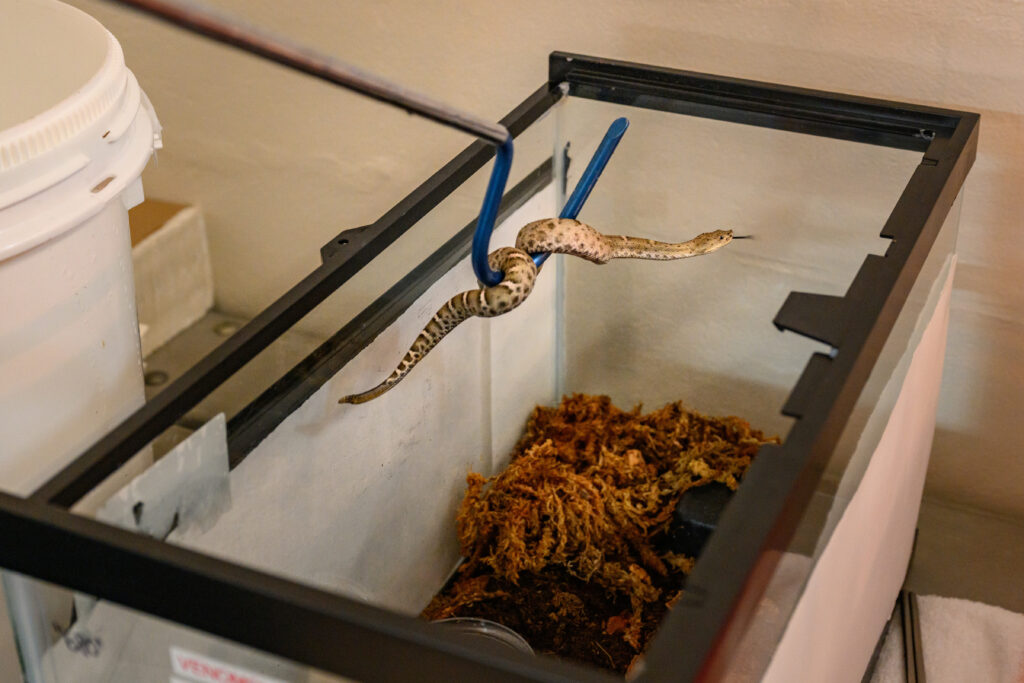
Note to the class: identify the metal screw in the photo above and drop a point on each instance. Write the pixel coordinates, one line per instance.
(155, 378)
(225, 329)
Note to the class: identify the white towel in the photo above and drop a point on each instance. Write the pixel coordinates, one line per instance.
(963, 641)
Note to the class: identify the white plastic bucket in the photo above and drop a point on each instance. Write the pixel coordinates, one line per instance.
(75, 134)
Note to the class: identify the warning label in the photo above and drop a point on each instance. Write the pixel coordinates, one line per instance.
(206, 670)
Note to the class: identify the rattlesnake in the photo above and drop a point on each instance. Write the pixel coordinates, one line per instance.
(556, 235)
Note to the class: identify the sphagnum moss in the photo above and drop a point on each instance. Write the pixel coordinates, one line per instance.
(588, 492)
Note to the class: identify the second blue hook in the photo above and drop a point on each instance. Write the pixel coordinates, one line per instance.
(496, 188)
(590, 175)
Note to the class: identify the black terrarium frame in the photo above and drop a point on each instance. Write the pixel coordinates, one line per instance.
(42, 538)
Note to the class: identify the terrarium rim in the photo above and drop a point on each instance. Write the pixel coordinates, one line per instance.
(707, 617)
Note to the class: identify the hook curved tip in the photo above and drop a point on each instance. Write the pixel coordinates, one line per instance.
(618, 127)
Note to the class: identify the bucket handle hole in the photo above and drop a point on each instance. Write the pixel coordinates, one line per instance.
(102, 184)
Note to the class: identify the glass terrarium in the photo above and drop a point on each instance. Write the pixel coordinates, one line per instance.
(280, 536)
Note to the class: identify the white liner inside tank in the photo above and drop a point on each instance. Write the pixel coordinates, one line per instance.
(361, 499)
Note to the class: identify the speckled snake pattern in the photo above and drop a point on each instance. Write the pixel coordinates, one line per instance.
(556, 235)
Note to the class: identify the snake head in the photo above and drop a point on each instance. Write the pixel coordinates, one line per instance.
(708, 242)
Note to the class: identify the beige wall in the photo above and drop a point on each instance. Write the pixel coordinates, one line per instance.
(277, 160)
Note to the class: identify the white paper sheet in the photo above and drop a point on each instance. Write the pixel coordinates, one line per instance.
(849, 596)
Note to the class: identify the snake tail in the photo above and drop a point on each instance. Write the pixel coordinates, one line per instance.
(520, 274)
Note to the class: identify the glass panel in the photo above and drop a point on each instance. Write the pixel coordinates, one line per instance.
(701, 330)
(360, 499)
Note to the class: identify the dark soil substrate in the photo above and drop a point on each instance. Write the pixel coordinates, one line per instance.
(561, 615)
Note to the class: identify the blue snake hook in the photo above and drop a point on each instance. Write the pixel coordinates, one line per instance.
(590, 175)
(496, 188)
(488, 214)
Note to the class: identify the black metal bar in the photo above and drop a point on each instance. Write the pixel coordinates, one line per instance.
(282, 617)
(80, 476)
(818, 316)
(257, 41)
(725, 585)
(803, 395)
(254, 422)
(913, 651)
(870, 670)
(899, 612)
(768, 105)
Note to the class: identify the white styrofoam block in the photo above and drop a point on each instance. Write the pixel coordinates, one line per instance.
(173, 278)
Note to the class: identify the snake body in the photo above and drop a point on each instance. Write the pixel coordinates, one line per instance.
(556, 235)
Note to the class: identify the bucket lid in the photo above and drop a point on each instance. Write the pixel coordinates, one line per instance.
(71, 108)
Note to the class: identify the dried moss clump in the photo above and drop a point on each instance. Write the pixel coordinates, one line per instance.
(588, 492)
